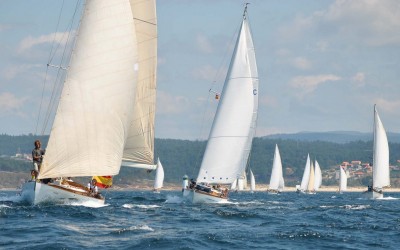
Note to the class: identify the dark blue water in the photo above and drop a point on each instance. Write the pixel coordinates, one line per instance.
(144, 220)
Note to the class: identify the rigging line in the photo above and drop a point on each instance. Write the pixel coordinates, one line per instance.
(47, 69)
(56, 87)
(144, 21)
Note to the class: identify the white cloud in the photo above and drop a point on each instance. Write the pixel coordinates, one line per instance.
(13, 71)
(29, 42)
(301, 63)
(359, 79)
(208, 73)
(387, 106)
(373, 22)
(168, 104)
(203, 43)
(9, 103)
(307, 84)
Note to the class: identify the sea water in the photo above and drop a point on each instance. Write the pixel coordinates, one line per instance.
(146, 220)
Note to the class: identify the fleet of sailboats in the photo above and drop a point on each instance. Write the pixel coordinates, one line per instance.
(233, 129)
(276, 183)
(106, 110)
(380, 167)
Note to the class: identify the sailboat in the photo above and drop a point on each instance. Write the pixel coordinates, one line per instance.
(105, 114)
(318, 176)
(159, 180)
(380, 168)
(342, 180)
(276, 183)
(307, 185)
(229, 143)
(252, 182)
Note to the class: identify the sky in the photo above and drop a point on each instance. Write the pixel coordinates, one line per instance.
(322, 64)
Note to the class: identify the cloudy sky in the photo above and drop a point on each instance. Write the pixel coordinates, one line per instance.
(322, 64)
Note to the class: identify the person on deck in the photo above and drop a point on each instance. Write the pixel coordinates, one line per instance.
(92, 187)
(37, 157)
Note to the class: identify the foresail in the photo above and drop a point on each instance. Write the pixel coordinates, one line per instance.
(159, 179)
(91, 123)
(306, 175)
(139, 147)
(311, 180)
(318, 176)
(252, 181)
(231, 135)
(381, 175)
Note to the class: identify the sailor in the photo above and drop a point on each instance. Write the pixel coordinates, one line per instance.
(92, 187)
(37, 157)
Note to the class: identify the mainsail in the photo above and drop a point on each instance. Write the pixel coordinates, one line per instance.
(111, 71)
(276, 180)
(342, 180)
(232, 132)
(311, 180)
(380, 173)
(306, 175)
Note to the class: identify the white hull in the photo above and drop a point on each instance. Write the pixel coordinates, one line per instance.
(197, 197)
(36, 193)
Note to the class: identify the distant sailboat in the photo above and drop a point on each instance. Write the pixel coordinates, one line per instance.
(380, 168)
(276, 183)
(159, 179)
(306, 177)
(342, 180)
(311, 180)
(107, 106)
(318, 176)
(252, 182)
(233, 129)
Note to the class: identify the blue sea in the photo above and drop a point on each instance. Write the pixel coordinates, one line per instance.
(145, 220)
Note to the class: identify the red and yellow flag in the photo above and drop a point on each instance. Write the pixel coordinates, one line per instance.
(103, 181)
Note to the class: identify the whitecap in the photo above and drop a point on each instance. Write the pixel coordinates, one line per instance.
(174, 199)
(356, 207)
(140, 206)
(141, 228)
(87, 204)
(388, 198)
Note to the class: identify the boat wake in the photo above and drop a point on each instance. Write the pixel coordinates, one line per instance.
(388, 198)
(174, 199)
(12, 198)
(86, 204)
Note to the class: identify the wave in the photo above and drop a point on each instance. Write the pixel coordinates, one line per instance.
(91, 204)
(140, 206)
(174, 199)
(355, 207)
(388, 198)
(135, 228)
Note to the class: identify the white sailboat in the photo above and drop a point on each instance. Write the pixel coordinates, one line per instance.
(380, 168)
(306, 177)
(233, 129)
(318, 176)
(342, 180)
(159, 179)
(252, 182)
(311, 181)
(107, 106)
(276, 183)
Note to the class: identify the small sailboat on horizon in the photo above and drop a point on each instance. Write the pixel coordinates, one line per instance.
(342, 180)
(159, 179)
(380, 167)
(276, 183)
(307, 185)
(252, 182)
(230, 140)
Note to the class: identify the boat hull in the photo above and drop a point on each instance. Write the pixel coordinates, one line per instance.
(373, 195)
(196, 197)
(38, 193)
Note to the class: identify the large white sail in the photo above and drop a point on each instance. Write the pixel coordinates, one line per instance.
(318, 176)
(276, 179)
(380, 173)
(231, 135)
(342, 180)
(159, 180)
(306, 175)
(94, 115)
(139, 146)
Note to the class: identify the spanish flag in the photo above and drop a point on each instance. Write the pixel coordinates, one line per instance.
(103, 181)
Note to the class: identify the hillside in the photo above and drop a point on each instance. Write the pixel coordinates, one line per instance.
(181, 157)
